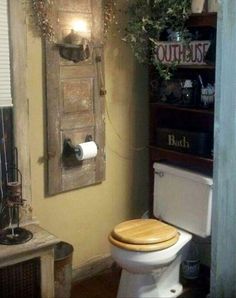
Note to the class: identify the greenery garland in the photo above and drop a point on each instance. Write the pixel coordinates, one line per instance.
(148, 19)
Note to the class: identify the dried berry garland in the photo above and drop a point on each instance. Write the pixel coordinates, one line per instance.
(109, 15)
(41, 10)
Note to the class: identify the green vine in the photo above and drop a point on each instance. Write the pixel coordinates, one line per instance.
(148, 20)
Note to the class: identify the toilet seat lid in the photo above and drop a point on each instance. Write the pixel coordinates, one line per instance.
(144, 231)
(144, 247)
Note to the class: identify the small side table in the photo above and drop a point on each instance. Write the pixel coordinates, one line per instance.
(40, 246)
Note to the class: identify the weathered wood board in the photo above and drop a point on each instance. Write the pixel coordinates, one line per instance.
(223, 262)
(75, 104)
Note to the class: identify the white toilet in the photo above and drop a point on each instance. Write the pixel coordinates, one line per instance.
(150, 251)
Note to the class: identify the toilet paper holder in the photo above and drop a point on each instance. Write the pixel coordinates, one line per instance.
(70, 149)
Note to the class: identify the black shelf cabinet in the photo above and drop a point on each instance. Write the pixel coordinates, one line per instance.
(189, 118)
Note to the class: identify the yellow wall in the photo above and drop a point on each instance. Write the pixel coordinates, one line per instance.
(84, 217)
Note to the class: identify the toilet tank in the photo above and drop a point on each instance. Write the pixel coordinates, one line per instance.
(183, 198)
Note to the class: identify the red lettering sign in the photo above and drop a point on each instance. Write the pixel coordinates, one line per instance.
(184, 54)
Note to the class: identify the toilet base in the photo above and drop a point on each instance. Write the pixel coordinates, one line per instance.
(160, 283)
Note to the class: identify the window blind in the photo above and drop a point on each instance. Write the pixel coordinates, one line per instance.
(5, 74)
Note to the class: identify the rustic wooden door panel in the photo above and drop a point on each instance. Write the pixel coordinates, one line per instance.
(77, 95)
(80, 119)
(70, 178)
(75, 105)
(75, 5)
(84, 71)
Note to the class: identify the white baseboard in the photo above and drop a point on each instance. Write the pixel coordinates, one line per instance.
(93, 267)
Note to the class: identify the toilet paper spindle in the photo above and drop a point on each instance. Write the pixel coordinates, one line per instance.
(82, 151)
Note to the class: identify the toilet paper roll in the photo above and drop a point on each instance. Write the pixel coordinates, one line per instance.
(86, 150)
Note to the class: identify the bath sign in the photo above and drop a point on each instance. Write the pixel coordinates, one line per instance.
(192, 53)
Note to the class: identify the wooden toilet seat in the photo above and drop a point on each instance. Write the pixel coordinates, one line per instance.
(144, 235)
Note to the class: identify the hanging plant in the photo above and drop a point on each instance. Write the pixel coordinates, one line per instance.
(42, 9)
(148, 20)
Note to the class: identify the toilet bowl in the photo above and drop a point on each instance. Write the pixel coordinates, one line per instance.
(151, 258)
(150, 251)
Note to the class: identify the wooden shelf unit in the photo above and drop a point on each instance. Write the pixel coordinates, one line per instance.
(207, 66)
(166, 106)
(202, 20)
(167, 115)
(161, 154)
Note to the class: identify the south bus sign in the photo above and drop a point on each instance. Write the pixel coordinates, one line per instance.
(192, 53)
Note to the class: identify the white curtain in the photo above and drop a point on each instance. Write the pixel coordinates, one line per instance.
(5, 74)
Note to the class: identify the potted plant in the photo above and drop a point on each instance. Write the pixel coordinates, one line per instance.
(148, 20)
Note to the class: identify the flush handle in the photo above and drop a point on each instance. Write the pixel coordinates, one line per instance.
(159, 173)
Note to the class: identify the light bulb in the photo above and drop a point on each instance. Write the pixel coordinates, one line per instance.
(80, 26)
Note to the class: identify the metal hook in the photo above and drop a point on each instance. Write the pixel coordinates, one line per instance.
(88, 138)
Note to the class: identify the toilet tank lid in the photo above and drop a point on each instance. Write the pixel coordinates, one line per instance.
(160, 167)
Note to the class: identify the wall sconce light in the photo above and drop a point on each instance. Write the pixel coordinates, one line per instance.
(75, 47)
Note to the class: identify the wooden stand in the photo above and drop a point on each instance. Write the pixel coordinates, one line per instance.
(40, 246)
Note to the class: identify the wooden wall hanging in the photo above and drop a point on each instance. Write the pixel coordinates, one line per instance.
(75, 96)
